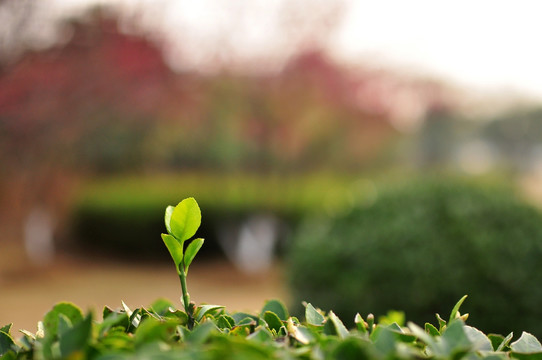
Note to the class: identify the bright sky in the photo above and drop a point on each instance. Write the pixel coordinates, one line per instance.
(489, 44)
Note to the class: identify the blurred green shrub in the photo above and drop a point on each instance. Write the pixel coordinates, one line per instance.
(123, 214)
(419, 247)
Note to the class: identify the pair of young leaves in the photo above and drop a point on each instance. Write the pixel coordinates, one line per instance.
(182, 222)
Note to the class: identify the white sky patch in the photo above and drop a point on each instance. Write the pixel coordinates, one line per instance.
(487, 44)
(481, 43)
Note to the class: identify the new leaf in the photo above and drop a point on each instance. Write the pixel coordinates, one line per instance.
(191, 251)
(175, 249)
(184, 220)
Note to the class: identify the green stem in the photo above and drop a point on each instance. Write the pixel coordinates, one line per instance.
(186, 297)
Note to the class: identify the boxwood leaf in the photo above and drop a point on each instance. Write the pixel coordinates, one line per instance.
(204, 309)
(107, 311)
(178, 315)
(76, 338)
(64, 324)
(431, 330)
(478, 339)
(6, 342)
(385, 340)
(167, 218)
(261, 335)
(303, 335)
(114, 320)
(441, 323)
(277, 307)
(185, 219)
(505, 342)
(244, 318)
(191, 251)
(201, 333)
(175, 249)
(50, 321)
(312, 316)
(456, 308)
(225, 322)
(454, 338)
(154, 330)
(272, 320)
(161, 306)
(527, 343)
(341, 330)
(351, 348)
(423, 336)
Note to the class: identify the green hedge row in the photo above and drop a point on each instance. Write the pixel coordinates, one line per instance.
(419, 247)
(163, 332)
(121, 214)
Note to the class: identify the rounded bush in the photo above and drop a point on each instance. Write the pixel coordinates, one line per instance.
(419, 248)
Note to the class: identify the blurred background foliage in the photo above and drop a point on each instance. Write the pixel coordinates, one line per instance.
(99, 132)
(419, 246)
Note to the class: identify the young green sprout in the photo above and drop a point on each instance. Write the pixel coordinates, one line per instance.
(182, 222)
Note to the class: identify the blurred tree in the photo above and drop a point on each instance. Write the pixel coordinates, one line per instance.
(106, 101)
(517, 136)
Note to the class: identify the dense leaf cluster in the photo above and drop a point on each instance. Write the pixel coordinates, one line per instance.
(210, 332)
(161, 332)
(419, 247)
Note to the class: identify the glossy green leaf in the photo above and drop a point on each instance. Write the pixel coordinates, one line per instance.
(441, 323)
(527, 343)
(6, 328)
(10, 355)
(312, 316)
(241, 330)
(496, 340)
(261, 335)
(422, 335)
(526, 356)
(114, 320)
(201, 333)
(351, 349)
(479, 340)
(6, 342)
(244, 318)
(341, 330)
(225, 322)
(431, 330)
(303, 334)
(202, 310)
(161, 306)
(180, 316)
(455, 309)
(76, 338)
(107, 311)
(175, 249)
(454, 338)
(116, 340)
(191, 251)
(64, 324)
(361, 325)
(272, 320)
(399, 334)
(277, 307)
(385, 341)
(167, 218)
(50, 320)
(151, 330)
(185, 219)
(506, 342)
